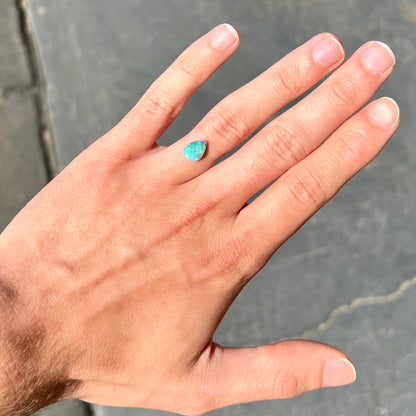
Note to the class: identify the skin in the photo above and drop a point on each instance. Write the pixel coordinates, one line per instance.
(116, 275)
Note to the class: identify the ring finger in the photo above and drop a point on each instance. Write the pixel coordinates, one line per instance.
(243, 111)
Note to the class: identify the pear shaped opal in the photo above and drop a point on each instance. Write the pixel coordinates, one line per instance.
(195, 150)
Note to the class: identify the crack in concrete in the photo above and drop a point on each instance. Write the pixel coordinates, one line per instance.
(359, 302)
(35, 90)
(27, 90)
(302, 256)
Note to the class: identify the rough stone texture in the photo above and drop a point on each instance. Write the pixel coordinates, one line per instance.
(98, 59)
(14, 70)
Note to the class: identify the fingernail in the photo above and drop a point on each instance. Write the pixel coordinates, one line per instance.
(339, 372)
(378, 58)
(328, 51)
(384, 112)
(223, 36)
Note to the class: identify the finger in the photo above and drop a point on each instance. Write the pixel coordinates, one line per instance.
(291, 137)
(165, 98)
(277, 213)
(285, 369)
(239, 114)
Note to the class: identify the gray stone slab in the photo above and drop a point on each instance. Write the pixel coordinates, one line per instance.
(98, 59)
(14, 70)
(22, 172)
(67, 408)
(118, 411)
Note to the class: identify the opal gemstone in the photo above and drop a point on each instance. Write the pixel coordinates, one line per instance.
(195, 150)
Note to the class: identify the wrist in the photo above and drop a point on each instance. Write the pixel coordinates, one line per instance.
(33, 368)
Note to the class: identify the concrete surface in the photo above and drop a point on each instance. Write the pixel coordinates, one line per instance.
(346, 277)
(14, 68)
(22, 172)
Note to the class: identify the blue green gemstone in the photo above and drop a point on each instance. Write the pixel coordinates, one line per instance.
(195, 150)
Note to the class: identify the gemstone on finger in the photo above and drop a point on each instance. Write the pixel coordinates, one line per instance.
(195, 150)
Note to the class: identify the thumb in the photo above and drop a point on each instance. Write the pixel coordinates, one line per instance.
(278, 371)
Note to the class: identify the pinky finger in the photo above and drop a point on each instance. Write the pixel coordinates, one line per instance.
(276, 214)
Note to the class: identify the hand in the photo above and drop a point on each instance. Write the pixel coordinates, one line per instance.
(116, 275)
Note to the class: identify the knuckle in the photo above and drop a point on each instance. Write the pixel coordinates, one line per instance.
(285, 144)
(230, 259)
(344, 92)
(353, 145)
(252, 253)
(306, 190)
(230, 125)
(192, 67)
(229, 256)
(195, 214)
(159, 102)
(287, 81)
(280, 382)
(201, 399)
(284, 385)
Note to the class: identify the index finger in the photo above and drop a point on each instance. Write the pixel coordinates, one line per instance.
(165, 98)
